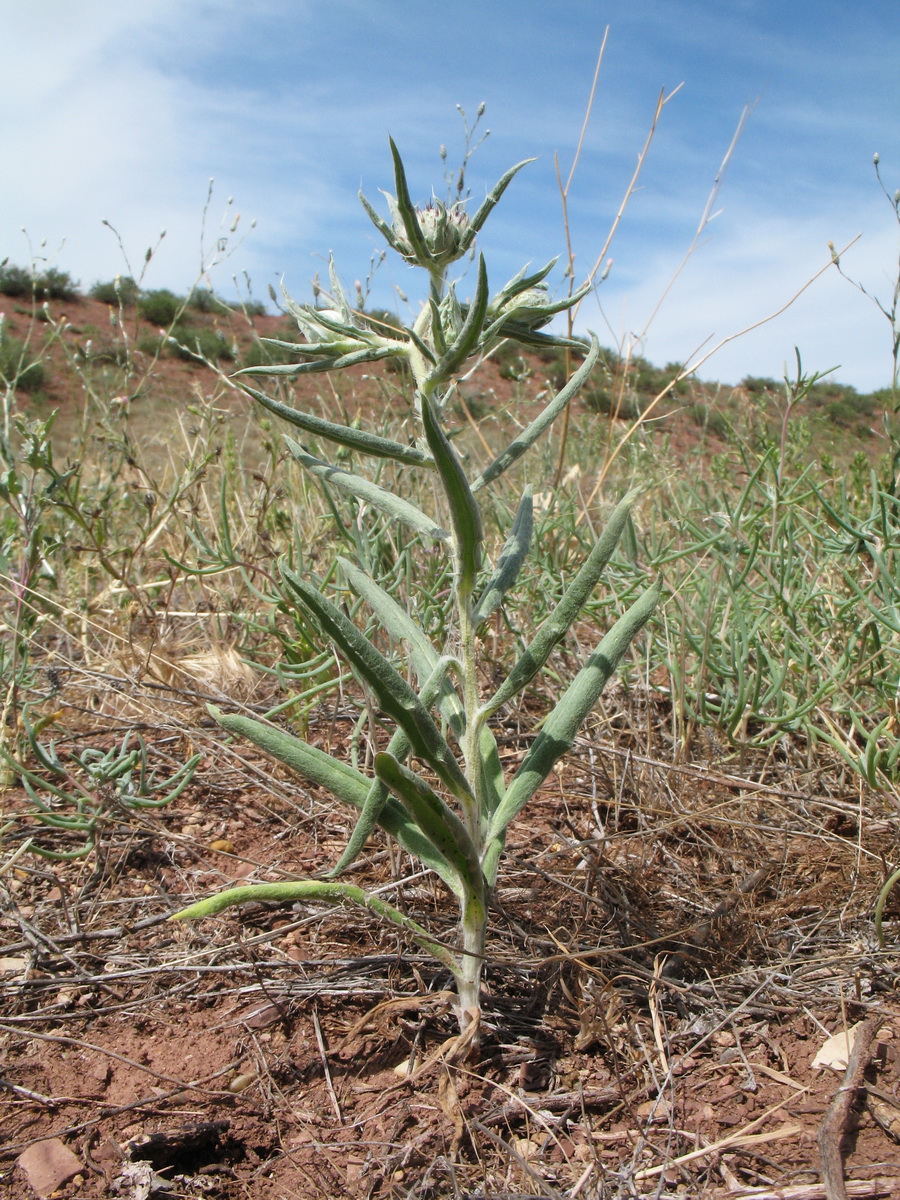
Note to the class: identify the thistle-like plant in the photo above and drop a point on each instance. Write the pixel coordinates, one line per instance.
(438, 788)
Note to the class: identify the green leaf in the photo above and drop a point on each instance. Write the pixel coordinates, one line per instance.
(363, 489)
(561, 726)
(467, 338)
(382, 226)
(491, 200)
(391, 690)
(407, 210)
(530, 435)
(437, 328)
(401, 627)
(334, 359)
(510, 562)
(329, 893)
(399, 748)
(574, 598)
(343, 781)
(465, 515)
(423, 657)
(343, 435)
(437, 821)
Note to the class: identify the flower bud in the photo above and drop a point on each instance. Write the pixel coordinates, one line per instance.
(445, 232)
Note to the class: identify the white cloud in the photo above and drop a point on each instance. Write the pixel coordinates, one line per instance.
(747, 274)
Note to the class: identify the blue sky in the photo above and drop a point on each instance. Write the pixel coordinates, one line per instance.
(124, 112)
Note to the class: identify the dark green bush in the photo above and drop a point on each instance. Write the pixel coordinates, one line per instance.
(191, 344)
(18, 367)
(205, 300)
(160, 307)
(709, 419)
(14, 281)
(758, 386)
(598, 399)
(55, 285)
(121, 290)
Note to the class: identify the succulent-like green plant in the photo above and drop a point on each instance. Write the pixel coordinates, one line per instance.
(439, 788)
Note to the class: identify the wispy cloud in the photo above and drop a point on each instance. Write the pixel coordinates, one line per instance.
(123, 112)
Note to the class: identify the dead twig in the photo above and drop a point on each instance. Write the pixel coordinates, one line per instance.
(834, 1126)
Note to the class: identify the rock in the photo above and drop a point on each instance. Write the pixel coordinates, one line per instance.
(48, 1165)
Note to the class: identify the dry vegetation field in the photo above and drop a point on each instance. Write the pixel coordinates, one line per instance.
(683, 917)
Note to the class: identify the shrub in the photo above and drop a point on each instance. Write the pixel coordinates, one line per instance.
(161, 307)
(54, 285)
(759, 386)
(51, 285)
(709, 419)
(119, 291)
(205, 300)
(14, 281)
(190, 344)
(18, 367)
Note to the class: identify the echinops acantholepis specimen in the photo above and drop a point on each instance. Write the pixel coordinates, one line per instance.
(438, 788)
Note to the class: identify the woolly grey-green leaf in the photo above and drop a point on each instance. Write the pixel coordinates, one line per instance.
(510, 561)
(465, 515)
(574, 598)
(543, 421)
(363, 489)
(391, 690)
(343, 781)
(343, 435)
(330, 893)
(561, 727)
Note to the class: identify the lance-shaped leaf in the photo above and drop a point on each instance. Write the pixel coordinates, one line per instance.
(329, 893)
(391, 690)
(510, 562)
(425, 350)
(491, 200)
(343, 781)
(465, 515)
(518, 331)
(343, 435)
(423, 656)
(468, 337)
(557, 625)
(333, 359)
(532, 432)
(363, 489)
(437, 821)
(401, 627)
(559, 730)
(437, 328)
(381, 225)
(521, 282)
(375, 801)
(407, 210)
(533, 315)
